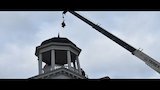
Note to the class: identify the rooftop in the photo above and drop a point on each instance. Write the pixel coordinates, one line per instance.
(57, 39)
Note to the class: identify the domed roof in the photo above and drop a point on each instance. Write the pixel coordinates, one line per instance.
(57, 39)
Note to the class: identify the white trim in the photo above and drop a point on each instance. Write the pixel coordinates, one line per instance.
(54, 45)
(59, 48)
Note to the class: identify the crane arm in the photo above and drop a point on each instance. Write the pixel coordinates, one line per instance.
(106, 33)
(139, 54)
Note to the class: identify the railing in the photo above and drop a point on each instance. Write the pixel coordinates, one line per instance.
(57, 67)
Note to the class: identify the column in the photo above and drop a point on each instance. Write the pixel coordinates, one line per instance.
(52, 59)
(74, 65)
(78, 65)
(40, 63)
(69, 59)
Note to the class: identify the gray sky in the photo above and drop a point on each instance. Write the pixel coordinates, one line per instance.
(22, 31)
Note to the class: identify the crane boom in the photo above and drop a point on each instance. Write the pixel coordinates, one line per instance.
(144, 57)
(106, 33)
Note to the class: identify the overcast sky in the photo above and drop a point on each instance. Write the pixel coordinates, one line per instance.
(22, 31)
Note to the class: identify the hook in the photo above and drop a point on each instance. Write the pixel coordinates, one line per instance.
(63, 23)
